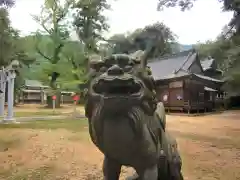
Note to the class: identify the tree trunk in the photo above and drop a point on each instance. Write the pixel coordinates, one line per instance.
(57, 101)
(57, 93)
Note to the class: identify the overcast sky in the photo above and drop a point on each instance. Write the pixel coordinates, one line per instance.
(203, 22)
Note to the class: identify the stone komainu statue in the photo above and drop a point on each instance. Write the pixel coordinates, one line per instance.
(126, 122)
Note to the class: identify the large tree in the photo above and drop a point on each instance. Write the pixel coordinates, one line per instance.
(89, 22)
(11, 49)
(75, 56)
(121, 43)
(226, 52)
(5, 38)
(54, 24)
(7, 3)
(158, 33)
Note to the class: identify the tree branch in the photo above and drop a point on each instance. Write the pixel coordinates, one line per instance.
(55, 5)
(60, 17)
(56, 53)
(42, 54)
(75, 67)
(45, 28)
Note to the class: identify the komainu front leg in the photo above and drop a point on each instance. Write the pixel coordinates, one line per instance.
(111, 169)
(133, 177)
(176, 167)
(148, 174)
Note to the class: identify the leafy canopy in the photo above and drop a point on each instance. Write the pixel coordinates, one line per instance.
(158, 33)
(89, 22)
(7, 3)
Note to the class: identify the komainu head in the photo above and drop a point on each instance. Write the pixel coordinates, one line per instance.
(119, 81)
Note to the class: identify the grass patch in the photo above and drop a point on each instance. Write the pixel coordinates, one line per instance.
(69, 124)
(38, 113)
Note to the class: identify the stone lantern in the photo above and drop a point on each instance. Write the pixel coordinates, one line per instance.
(8, 75)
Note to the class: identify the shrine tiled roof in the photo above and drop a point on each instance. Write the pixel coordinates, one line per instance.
(170, 66)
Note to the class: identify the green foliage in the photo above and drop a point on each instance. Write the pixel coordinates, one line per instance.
(90, 22)
(69, 124)
(5, 38)
(11, 48)
(226, 52)
(183, 4)
(25, 60)
(50, 50)
(18, 52)
(72, 54)
(7, 3)
(121, 43)
(105, 49)
(72, 63)
(53, 21)
(161, 36)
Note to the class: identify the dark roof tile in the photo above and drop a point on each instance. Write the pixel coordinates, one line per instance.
(189, 61)
(209, 78)
(166, 67)
(33, 83)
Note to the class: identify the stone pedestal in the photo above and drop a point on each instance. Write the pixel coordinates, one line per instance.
(9, 121)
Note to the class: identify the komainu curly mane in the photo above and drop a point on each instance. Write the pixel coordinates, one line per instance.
(126, 122)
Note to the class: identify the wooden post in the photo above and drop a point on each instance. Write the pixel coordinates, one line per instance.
(62, 99)
(54, 97)
(22, 97)
(75, 99)
(54, 105)
(42, 95)
(75, 108)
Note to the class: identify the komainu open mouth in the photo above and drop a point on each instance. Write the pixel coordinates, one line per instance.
(117, 87)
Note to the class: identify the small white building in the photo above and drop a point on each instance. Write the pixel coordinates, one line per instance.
(34, 91)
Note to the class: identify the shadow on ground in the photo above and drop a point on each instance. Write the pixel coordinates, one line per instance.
(61, 149)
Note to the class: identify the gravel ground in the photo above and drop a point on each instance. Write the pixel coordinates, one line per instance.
(210, 149)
